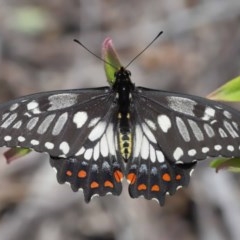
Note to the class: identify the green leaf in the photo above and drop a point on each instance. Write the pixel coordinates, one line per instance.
(230, 164)
(227, 92)
(112, 63)
(15, 153)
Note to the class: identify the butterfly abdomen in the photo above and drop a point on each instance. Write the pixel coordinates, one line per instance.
(125, 136)
(125, 144)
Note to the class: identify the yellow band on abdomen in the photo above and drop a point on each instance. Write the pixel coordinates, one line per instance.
(125, 143)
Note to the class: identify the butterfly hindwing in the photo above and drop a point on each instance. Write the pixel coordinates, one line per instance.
(153, 180)
(99, 177)
(97, 168)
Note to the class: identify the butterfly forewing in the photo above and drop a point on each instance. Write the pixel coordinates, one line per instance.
(187, 127)
(54, 122)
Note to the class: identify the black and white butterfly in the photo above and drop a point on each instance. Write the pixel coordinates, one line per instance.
(96, 137)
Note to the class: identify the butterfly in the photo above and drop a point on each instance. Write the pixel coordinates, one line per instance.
(96, 137)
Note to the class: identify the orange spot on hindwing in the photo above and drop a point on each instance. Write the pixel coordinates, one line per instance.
(166, 177)
(118, 175)
(82, 174)
(178, 177)
(131, 177)
(108, 184)
(94, 185)
(142, 187)
(69, 173)
(155, 188)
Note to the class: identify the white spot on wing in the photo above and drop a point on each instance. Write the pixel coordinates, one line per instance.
(43, 127)
(27, 114)
(164, 123)
(191, 172)
(213, 122)
(178, 153)
(104, 146)
(227, 114)
(32, 105)
(64, 147)
(14, 106)
(49, 145)
(145, 148)
(88, 154)
(152, 154)
(110, 139)
(209, 130)
(138, 141)
(192, 152)
(32, 123)
(94, 196)
(222, 133)
(182, 129)
(80, 152)
(96, 152)
(160, 156)
(205, 149)
(148, 133)
(230, 148)
(106, 166)
(196, 130)
(208, 113)
(182, 105)
(58, 127)
(97, 131)
(21, 139)
(235, 125)
(93, 122)
(230, 129)
(80, 118)
(154, 171)
(7, 138)
(143, 168)
(151, 124)
(18, 124)
(34, 142)
(5, 115)
(217, 147)
(62, 100)
(9, 120)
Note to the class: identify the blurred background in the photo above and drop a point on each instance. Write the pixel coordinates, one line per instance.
(198, 52)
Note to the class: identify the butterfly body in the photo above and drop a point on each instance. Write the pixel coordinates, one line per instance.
(96, 137)
(124, 88)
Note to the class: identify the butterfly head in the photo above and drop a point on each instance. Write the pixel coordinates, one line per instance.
(123, 81)
(122, 75)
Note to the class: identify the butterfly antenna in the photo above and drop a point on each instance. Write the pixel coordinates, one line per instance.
(94, 54)
(159, 34)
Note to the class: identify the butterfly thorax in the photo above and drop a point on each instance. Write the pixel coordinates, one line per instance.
(124, 87)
